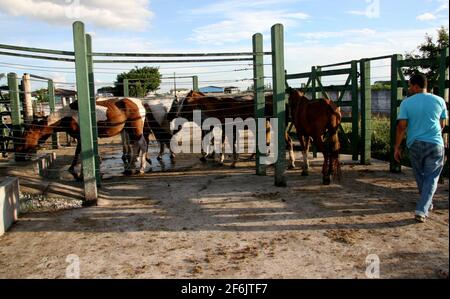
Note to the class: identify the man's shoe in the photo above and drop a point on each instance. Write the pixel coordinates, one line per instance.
(420, 218)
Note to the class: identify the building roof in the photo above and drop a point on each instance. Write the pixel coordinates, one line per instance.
(211, 89)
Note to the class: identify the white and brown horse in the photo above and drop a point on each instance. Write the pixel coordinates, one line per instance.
(115, 116)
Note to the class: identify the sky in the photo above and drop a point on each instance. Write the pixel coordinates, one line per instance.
(317, 32)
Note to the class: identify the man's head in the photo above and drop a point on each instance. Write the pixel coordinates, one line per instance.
(417, 84)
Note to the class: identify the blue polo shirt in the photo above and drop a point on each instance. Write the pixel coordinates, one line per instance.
(423, 111)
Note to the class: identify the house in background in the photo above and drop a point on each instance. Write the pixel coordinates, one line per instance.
(180, 92)
(231, 89)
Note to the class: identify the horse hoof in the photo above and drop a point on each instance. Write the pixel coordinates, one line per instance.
(305, 173)
(291, 167)
(128, 172)
(149, 161)
(89, 203)
(326, 181)
(159, 158)
(220, 164)
(203, 159)
(233, 166)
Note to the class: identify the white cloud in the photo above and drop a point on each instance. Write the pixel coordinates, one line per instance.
(132, 14)
(238, 20)
(444, 5)
(337, 34)
(239, 26)
(426, 17)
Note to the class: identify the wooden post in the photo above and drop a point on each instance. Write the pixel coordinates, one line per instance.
(366, 111)
(279, 107)
(396, 94)
(355, 111)
(92, 101)
(126, 88)
(195, 83)
(84, 111)
(52, 105)
(260, 100)
(28, 103)
(16, 118)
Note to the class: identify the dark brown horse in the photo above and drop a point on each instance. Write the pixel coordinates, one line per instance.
(115, 116)
(229, 107)
(316, 119)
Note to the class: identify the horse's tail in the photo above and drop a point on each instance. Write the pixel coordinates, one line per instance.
(334, 144)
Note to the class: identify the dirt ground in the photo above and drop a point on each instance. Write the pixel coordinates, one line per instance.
(194, 220)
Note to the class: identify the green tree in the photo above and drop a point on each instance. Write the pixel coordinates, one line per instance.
(142, 81)
(42, 95)
(429, 49)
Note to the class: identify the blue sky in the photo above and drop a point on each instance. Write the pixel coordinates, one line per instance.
(317, 32)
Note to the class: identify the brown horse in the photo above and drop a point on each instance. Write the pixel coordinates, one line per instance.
(125, 116)
(229, 107)
(316, 119)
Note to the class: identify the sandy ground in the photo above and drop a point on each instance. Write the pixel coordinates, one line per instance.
(194, 220)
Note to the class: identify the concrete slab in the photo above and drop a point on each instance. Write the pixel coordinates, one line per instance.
(9, 203)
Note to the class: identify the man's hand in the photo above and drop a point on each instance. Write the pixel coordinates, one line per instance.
(397, 154)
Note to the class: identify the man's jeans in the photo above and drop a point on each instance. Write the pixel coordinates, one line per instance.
(427, 161)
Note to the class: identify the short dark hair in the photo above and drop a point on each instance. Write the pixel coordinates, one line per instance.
(420, 80)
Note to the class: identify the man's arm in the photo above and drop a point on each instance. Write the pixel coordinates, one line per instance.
(443, 121)
(401, 132)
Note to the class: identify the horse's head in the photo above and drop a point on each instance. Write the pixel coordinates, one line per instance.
(34, 134)
(189, 103)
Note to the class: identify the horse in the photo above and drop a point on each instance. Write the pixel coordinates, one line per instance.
(316, 119)
(159, 114)
(229, 107)
(125, 116)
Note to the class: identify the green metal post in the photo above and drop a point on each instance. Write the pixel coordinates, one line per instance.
(279, 102)
(443, 74)
(84, 110)
(366, 111)
(443, 92)
(92, 101)
(16, 118)
(52, 104)
(126, 88)
(355, 111)
(195, 83)
(260, 101)
(396, 94)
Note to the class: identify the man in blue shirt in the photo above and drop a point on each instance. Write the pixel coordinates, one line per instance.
(422, 118)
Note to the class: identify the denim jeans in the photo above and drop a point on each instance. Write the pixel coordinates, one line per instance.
(427, 161)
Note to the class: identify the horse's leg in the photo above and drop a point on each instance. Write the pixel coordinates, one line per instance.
(322, 147)
(161, 151)
(147, 140)
(304, 143)
(291, 150)
(204, 154)
(125, 147)
(235, 152)
(75, 162)
(172, 154)
(143, 155)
